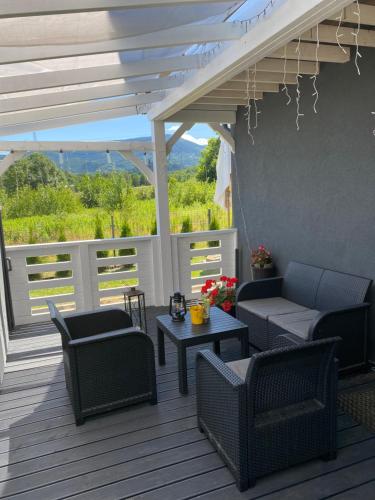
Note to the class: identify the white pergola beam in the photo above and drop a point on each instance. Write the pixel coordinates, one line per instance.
(197, 115)
(184, 127)
(10, 158)
(24, 8)
(326, 53)
(259, 89)
(172, 37)
(82, 94)
(224, 134)
(67, 121)
(137, 162)
(21, 117)
(65, 146)
(266, 37)
(277, 66)
(327, 33)
(210, 107)
(51, 79)
(223, 101)
(240, 82)
(350, 15)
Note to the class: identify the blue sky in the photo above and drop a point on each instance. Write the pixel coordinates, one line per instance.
(116, 129)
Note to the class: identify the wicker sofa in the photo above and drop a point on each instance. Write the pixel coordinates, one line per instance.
(271, 411)
(108, 363)
(308, 303)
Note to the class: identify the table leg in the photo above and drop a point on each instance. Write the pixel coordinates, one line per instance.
(161, 350)
(217, 347)
(182, 370)
(245, 353)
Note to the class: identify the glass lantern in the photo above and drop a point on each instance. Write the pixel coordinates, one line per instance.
(177, 307)
(135, 306)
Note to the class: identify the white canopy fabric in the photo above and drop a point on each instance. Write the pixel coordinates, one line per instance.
(223, 173)
(65, 55)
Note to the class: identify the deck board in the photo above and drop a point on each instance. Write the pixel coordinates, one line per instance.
(142, 452)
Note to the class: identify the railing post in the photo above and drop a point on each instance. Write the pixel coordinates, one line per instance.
(86, 269)
(163, 272)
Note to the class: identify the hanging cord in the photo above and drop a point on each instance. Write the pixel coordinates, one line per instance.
(338, 34)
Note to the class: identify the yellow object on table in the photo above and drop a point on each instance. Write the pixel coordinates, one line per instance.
(196, 314)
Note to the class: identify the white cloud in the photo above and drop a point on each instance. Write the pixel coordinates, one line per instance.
(201, 141)
(173, 128)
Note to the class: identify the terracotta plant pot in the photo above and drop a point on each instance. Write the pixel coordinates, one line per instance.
(260, 273)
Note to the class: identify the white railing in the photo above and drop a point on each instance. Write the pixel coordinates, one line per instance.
(86, 275)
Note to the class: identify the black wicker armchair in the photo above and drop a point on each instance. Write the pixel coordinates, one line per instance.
(308, 303)
(271, 411)
(108, 363)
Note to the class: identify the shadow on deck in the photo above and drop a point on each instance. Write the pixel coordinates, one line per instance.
(148, 452)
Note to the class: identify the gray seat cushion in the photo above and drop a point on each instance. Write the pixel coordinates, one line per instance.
(297, 323)
(239, 367)
(270, 307)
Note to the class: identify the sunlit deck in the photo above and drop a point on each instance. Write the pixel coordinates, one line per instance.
(143, 451)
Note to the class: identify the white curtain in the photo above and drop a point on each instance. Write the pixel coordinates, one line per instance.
(223, 171)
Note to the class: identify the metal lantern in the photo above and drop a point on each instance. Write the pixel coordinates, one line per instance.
(135, 306)
(177, 307)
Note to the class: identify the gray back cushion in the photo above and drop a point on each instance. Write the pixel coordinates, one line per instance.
(301, 283)
(340, 290)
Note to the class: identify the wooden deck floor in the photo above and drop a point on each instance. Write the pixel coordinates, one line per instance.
(143, 452)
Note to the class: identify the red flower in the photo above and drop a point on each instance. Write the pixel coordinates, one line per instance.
(224, 278)
(204, 289)
(214, 292)
(227, 306)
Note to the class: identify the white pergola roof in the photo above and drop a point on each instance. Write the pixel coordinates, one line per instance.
(68, 62)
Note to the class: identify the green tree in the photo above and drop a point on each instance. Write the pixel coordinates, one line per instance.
(187, 226)
(154, 228)
(125, 233)
(99, 235)
(33, 171)
(117, 193)
(206, 171)
(214, 226)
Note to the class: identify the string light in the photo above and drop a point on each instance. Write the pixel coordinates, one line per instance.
(256, 112)
(298, 77)
(285, 87)
(248, 108)
(315, 75)
(356, 34)
(338, 34)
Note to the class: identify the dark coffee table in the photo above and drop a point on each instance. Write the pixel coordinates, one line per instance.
(221, 326)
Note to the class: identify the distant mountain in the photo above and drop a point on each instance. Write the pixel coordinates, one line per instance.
(184, 154)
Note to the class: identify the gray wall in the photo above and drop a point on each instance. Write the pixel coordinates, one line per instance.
(310, 195)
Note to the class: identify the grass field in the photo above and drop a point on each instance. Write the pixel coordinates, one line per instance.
(81, 225)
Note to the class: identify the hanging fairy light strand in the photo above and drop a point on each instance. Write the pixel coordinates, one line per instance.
(249, 108)
(338, 34)
(355, 33)
(298, 90)
(314, 77)
(256, 111)
(285, 87)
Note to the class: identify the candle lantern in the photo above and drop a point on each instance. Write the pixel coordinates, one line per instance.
(177, 307)
(135, 306)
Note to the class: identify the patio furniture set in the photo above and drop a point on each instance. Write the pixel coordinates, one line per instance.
(262, 413)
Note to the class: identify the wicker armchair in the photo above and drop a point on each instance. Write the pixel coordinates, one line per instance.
(271, 411)
(108, 363)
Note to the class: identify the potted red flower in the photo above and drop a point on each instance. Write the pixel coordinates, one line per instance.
(261, 263)
(221, 293)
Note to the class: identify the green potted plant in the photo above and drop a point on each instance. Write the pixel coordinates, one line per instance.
(261, 263)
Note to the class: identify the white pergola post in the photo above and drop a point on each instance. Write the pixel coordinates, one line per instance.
(163, 272)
